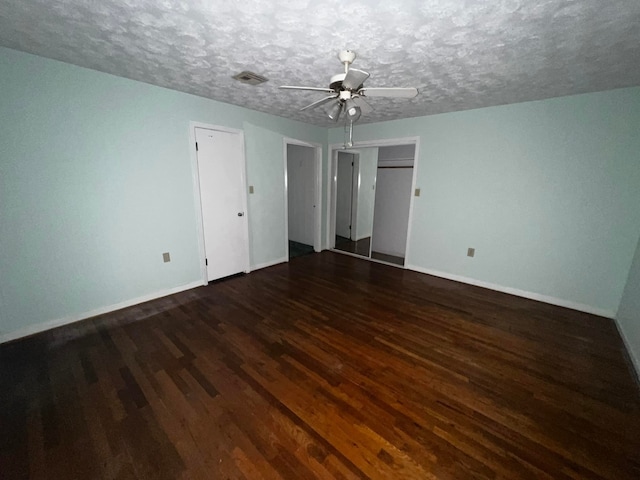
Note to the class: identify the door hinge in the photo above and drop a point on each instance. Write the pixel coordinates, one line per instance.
(196, 146)
(206, 261)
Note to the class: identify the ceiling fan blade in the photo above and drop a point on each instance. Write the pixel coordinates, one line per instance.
(314, 89)
(364, 106)
(317, 103)
(389, 92)
(354, 79)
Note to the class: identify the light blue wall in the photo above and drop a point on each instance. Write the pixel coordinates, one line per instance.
(629, 312)
(265, 171)
(547, 192)
(96, 182)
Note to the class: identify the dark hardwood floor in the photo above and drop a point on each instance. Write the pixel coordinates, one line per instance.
(297, 249)
(359, 247)
(326, 367)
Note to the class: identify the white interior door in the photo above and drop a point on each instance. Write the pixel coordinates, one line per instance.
(223, 198)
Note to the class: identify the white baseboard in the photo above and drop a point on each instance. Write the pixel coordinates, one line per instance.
(519, 293)
(269, 264)
(41, 327)
(635, 361)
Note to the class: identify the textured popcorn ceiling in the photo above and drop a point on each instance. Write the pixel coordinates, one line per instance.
(461, 54)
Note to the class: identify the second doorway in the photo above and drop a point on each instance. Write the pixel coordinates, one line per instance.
(303, 207)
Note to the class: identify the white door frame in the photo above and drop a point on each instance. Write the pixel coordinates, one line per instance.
(332, 178)
(355, 192)
(195, 176)
(317, 223)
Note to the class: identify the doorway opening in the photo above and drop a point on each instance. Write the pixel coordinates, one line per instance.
(302, 197)
(351, 234)
(371, 192)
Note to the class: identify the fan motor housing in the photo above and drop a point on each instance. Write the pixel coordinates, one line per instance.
(336, 82)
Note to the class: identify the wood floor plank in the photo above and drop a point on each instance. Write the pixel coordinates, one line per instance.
(325, 367)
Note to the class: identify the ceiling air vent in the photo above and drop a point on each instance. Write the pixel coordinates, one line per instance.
(250, 78)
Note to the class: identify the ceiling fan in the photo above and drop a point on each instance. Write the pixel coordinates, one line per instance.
(348, 93)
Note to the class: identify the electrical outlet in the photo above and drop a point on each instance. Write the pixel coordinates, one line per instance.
(417, 192)
(250, 188)
(166, 257)
(471, 252)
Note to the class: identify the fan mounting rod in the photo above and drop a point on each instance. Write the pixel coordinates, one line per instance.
(347, 57)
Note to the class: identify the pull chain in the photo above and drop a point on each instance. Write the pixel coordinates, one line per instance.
(348, 131)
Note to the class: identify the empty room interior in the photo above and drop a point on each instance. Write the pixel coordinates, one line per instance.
(300, 240)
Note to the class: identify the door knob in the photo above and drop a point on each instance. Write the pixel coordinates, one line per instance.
(240, 214)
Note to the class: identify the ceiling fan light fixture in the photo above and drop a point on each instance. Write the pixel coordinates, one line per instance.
(334, 111)
(353, 110)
